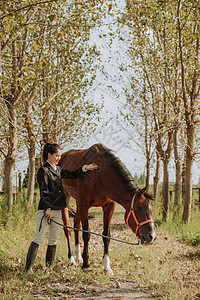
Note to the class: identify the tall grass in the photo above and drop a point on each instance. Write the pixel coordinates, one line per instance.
(188, 233)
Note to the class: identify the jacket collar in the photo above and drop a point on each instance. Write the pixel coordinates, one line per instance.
(49, 166)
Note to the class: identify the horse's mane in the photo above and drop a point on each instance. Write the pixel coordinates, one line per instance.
(119, 168)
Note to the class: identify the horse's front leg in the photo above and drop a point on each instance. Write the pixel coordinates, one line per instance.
(86, 237)
(108, 210)
(77, 224)
(67, 231)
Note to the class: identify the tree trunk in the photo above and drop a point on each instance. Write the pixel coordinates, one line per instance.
(165, 156)
(31, 178)
(165, 189)
(188, 174)
(147, 142)
(178, 176)
(46, 124)
(31, 150)
(177, 191)
(183, 181)
(148, 173)
(10, 158)
(156, 178)
(20, 183)
(8, 181)
(190, 107)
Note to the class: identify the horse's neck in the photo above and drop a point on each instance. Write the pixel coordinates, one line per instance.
(119, 192)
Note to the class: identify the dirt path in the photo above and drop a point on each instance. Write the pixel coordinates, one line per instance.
(170, 269)
(126, 291)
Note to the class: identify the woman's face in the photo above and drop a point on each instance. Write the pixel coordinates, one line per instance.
(54, 158)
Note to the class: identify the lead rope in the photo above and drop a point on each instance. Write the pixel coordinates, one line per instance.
(41, 221)
(94, 233)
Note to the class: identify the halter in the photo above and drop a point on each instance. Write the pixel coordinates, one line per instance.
(131, 212)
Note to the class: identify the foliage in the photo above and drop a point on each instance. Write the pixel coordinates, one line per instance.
(140, 179)
(182, 231)
(53, 64)
(47, 66)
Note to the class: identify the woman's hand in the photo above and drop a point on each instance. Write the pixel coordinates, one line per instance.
(91, 167)
(48, 213)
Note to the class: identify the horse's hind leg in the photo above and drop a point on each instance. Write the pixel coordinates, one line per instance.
(108, 210)
(86, 235)
(67, 231)
(77, 224)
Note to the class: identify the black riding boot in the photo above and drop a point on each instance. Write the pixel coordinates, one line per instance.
(31, 255)
(50, 255)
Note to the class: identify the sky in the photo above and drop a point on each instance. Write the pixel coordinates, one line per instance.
(112, 131)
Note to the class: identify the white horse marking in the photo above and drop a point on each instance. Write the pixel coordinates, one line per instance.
(106, 263)
(153, 231)
(72, 261)
(77, 251)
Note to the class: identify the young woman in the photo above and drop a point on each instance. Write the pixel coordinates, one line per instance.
(52, 200)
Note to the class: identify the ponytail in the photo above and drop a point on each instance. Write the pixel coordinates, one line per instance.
(49, 148)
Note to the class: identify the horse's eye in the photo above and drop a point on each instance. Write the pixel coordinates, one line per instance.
(139, 208)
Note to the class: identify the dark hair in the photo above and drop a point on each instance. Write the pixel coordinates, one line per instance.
(49, 148)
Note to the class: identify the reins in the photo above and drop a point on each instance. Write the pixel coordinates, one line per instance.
(94, 233)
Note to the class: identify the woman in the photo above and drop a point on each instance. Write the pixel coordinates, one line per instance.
(52, 200)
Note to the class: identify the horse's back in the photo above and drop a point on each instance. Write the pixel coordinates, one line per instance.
(74, 159)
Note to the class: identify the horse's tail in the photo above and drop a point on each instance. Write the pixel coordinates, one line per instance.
(72, 213)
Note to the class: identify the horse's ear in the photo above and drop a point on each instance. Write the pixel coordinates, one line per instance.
(140, 192)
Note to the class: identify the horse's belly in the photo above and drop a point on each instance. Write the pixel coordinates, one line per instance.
(99, 202)
(72, 192)
(70, 189)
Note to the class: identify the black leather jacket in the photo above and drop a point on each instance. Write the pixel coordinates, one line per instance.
(50, 184)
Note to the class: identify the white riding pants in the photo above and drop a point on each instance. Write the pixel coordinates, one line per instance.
(54, 228)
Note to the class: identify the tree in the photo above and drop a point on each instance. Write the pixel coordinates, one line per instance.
(12, 54)
(166, 41)
(188, 15)
(150, 51)
(48, 43)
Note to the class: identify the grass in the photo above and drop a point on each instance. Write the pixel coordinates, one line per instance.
(169, 269)
(188, 233)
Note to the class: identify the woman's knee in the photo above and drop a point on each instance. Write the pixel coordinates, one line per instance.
(37, 240)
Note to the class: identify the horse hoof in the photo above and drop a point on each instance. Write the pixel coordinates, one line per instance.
(79, 260)
(71, 261)
(85, 266)
(109, 271)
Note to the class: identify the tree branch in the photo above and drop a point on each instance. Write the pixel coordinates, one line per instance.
(27, 6)
(3, 152)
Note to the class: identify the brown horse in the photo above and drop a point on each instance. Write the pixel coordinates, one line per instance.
(109, 184)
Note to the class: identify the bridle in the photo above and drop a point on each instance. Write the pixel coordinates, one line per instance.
(131, 212)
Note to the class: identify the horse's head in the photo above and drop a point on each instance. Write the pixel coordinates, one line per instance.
(138, 217)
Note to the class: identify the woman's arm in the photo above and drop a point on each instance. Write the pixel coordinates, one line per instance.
(65, 174)
(42, 179)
